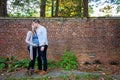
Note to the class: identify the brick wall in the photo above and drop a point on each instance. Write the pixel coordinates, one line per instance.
(93, 36)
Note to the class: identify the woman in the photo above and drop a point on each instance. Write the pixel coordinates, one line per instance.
(32, 41)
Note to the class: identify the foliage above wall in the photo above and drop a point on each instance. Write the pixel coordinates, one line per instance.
(59, 8)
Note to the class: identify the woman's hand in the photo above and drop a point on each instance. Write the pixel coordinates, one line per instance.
(35, 45)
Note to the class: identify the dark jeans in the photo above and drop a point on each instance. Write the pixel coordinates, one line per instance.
(42, 58)
(32, 62)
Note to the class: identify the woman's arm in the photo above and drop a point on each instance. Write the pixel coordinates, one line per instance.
(28, 37)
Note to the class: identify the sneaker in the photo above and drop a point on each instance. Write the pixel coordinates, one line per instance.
(43, 73)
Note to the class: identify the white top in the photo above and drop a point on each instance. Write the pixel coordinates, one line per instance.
(42, 35)
(28, 40)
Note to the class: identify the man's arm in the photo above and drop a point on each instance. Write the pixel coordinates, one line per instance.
(44, 36)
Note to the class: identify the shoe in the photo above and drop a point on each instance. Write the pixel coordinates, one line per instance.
(37, 71)
(27, 72)
(43, 73)
(31, 72)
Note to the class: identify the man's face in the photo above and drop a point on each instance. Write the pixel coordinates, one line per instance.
(34, 24)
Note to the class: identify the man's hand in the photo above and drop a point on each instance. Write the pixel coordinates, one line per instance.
(42, 48)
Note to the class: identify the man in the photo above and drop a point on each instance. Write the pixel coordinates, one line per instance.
(43, 43)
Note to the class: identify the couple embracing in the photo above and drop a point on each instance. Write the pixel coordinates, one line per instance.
(37, 46)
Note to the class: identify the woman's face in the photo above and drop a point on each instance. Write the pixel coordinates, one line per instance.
(34, 24)
(33, 27)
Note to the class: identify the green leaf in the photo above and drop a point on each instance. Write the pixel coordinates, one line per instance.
(2, 60)
(12, 58)
(2, 66)
(68, 61)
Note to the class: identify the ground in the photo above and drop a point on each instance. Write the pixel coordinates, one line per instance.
(57, 74)
(107, 65)
(86, 70)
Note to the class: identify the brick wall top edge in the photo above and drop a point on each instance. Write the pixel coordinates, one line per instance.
(110, 18)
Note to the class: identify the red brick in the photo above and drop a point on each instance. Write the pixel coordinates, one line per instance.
(78, 35)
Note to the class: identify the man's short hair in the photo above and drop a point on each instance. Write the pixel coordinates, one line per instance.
(36, 20)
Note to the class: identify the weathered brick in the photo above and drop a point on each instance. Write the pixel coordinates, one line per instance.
(82, 36)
